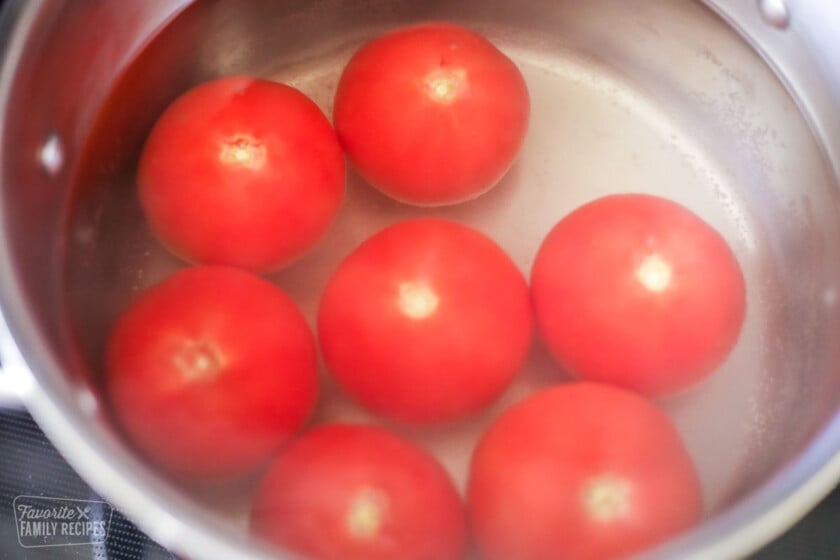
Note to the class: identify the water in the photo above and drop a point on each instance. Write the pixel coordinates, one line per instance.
(596, 129)
(592, 134)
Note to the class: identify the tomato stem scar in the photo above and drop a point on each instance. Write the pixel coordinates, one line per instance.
(607, 498)
(654, 273)
(417, 300)
(443, 85)
(367, 512)
(197, 360)
(243, 151)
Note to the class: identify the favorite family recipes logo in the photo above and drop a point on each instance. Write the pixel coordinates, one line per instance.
(43, 521)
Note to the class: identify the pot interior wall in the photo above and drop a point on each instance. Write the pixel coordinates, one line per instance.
(631, 95)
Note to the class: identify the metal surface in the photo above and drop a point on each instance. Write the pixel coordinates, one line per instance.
(640, 95)
(16, 380)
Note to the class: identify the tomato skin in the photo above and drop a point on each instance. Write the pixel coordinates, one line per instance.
(241, 171)
(211, 371)
(581, 471)
(637, 291)
(426, 322)
(431, 114)
(351, 492)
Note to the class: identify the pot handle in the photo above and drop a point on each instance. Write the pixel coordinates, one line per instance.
(15, 378)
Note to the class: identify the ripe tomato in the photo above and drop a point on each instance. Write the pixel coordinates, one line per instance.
(426, 322)
(211, 371)
(344, 492)
(638, 291)
(241, 171)
(431, 114)
(581, 471)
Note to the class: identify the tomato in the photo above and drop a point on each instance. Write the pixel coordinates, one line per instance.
(638, 291)
(426, 322)
(241, 171)
(211, 371)
(581, 471)
(345, 492)
(432, 114)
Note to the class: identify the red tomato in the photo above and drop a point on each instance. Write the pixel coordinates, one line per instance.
(581, 471)
(431, 114)
(345, 492)
(637, 291)
(426, 322)
(211, 371)
(242, 172)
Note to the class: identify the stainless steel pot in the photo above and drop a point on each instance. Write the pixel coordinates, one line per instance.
(729, 106)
